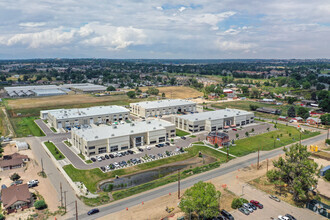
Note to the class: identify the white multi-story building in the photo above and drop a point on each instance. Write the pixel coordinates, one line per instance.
(103, 139)
(68, 118)
(213, 120)
(162, 107)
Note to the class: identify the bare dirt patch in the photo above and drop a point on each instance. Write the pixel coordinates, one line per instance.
(177, 92)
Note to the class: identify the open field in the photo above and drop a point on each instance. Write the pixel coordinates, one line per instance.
(91, 177)
(26, 126)
(3, 127)
(53, 149)
(177, 92)
(266, 141)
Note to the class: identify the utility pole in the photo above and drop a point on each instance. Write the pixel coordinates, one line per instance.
(227, 153)
(61, 194)
(267, 165)
(65, 201)
(42, 166)
(258, 158)
(178, 183)
(76, 210)
(274, 142)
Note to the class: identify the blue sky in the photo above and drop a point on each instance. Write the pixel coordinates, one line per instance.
(165, 29)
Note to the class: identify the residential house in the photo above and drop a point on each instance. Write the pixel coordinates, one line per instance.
(16, 197)
(13, 161)
(213, 96)
(313, 121)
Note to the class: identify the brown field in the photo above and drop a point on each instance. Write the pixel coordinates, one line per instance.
(54, 101)
(177, 92)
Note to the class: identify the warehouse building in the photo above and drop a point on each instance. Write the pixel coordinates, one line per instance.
(105, 139)
(162, 107)
(38, 90)
(69, 118)
(213, 120)
(85, 87)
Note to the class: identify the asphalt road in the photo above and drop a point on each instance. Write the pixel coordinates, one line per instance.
(231, 166)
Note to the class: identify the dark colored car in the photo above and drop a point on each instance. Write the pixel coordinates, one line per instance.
(161, 145)
(93, 159)
(256, 203)
(252, 206)
(140, 149)
(93, 211)
(168, 143)
(106, 157)
(226, 214)
(102, 157)
(130, 151)
(102, 168)
(290, 217)
(183, 137)
(111, 156)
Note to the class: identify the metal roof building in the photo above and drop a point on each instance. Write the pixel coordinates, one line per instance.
(85, 87)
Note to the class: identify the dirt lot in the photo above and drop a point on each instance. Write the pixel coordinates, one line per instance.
(29, 172)
(62, 100)
(177, 92)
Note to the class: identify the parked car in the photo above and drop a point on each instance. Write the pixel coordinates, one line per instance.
(17, 182)
(280, 217)
(183, 138)
(252, 206)
(246, 206)
(30, 185)
(256, 203)
(106, 156)
(244, 210)
(140, 149)
(234, 129)
(102, 168)
(99, 159)
(290, 217)
(93, 211)
(130, 151)
(168, 143)
(93, 159)
(274, 198)
(226, 214)
(111, 156)
(161, 145)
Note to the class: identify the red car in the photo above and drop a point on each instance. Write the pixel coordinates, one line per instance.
(256, 203)
(234, 129)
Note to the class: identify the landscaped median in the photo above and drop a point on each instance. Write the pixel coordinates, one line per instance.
(92, 177)
(53, 149)
(181, 133)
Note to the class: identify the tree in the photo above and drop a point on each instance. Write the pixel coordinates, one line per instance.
(15, 177)
(297, 171)
(131, 94)
(325, 119)
(238, 202)
(202, 198)
(2, 217)
(111, 88)
(237, 135)
(320, 86)
(306, 115)
(163, 95)
(253, 107)
(327, 175)
(306, 85)
(302, 111)
(291, 100)
(324, 104)
(40, 204)
(292, 112)
(247, 134)
(152, 91)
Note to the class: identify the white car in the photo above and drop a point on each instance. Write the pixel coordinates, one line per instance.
(148, 148)
(280, 217)
(246, 206)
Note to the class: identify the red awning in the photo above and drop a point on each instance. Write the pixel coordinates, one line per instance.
(226, 127)
(233, 126)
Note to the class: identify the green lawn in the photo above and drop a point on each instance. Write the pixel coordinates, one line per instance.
(53, 149)
(91, 177)
(81, 156)
(266, 141)
(53, 129)
(68, 143)
(181, 133)
(26, 126)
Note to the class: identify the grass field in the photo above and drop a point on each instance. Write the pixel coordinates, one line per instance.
(177, 92)
(180, 133)
(91, 177)
(3, 126)
(53, 149)
(266, 141)
(26, 126)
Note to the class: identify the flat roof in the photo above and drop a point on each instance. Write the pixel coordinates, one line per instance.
(104, 132)
(164, 103)
(214, 115)
(84, 86)
(27, 88)
(48, 91)
(86, 112)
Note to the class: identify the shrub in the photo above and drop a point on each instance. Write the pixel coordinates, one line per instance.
(327, 174)
(238, 202)
(327, 141)
(272, 175)
(40, 204)
(15, 177)
(2, 217)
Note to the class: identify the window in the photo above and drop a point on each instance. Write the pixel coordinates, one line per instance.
(124, 148)
(237, 124)
(172, 130)
(214, 128)
(202, 128)
(153, 142)
(161, 139)
(114, 148)
(91, 148)
(195, 130)
(190, 130)
(91, 153)
(102, 150)
(196, 126)
(243, 122)
(190, 126)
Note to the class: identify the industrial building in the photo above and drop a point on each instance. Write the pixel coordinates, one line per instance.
(213, 120)
(85, 87)
(68, 118)
(105, 139)
(162, 107)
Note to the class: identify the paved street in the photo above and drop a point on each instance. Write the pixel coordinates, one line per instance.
(232, 165)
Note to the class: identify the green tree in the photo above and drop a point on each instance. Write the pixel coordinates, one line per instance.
(202, 198)
(40, 204)
(306, 115)
(15, 177)
(297, 171)
(327, 175)
(292, 112)
(131, 94)
(306, 85)
(163, 95)
(302, 111)
(247, 134)
(2, 217)
(237, 135)
(238, 202)
(111, 88)
(291, 100)
(152, 91)
(325, 119)
(253, 107)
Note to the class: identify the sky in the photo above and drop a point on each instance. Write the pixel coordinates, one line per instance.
(150, 29)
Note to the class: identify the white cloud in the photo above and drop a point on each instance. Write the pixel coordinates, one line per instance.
(32, 24)
(159, 8)
(227, 45)
(181, 9)
(212, 19)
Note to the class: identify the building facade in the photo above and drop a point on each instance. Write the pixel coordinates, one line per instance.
(106, 139)
(69, 118)
(213, 120)
(219, 138)
(16, 197)
(162, 107)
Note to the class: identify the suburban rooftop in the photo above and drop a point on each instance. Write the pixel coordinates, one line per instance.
(85, 112)
(164, 103)
(103, 132)
(214, 115)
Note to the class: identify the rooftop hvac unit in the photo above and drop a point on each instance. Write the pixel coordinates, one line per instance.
(160, 125)
(209, 118)
(132, 131)
(132, 124)
(149, 122)
(225, 115)
(115, 126)
(112, 135)
(96, 137)
(154, 128)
